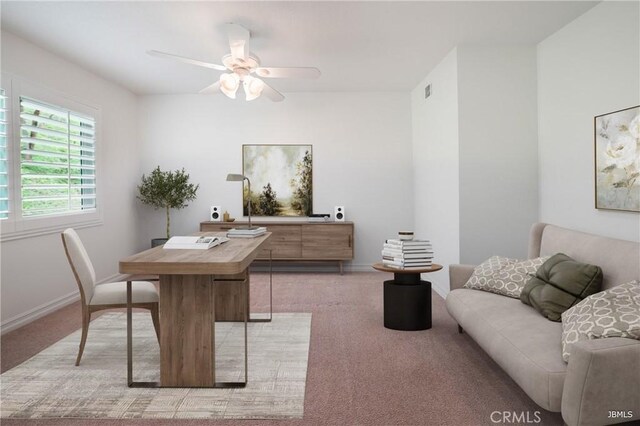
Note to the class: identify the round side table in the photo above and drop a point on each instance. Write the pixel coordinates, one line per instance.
(407, 298)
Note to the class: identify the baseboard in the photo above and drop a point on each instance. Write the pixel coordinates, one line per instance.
(46, 308)
(442, 292)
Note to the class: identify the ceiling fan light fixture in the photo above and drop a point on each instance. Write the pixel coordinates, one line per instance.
(229, 84)
(253, 87)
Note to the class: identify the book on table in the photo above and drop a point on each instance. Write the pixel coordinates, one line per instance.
(255, 231)
(395, 266)
(408, 255)
(194, 243)
(400, 264)
(405, 260)
(406, 248)
(408, 243)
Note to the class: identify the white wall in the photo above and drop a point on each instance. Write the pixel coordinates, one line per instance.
(35, 272)
(498, 150)
(361, 155)
(588, 68)
(436, 168)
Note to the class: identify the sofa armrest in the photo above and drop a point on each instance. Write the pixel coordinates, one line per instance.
(459, 275)
(602, 385)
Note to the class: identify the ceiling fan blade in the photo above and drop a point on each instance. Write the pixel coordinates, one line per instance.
(272, 93)
(211, 90)
(186, 60)
(238, 41)
(300, 72)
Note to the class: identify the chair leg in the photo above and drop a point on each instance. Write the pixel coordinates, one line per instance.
(86, 319)
(156, 320)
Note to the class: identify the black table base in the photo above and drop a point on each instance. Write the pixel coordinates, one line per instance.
(407, 303)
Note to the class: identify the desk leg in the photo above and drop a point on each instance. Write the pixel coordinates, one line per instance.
(270, 292)
(130, 381)
(187, 315)
(244, 284)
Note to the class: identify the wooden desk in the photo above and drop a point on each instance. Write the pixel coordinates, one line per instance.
(188, 304)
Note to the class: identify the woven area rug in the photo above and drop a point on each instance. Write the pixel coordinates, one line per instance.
(50, 386)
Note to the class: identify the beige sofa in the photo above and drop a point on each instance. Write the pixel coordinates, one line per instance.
(602, 375)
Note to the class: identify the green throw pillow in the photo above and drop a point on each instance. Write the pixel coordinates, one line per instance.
(560, 283)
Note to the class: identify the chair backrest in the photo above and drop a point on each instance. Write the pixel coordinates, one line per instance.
(80, 263)
(619, 259)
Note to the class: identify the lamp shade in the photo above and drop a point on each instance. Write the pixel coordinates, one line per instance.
(253, 87)
(232, 177)
(229, 84)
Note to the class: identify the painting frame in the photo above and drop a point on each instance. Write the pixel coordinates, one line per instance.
(617, 160)
(281, 178)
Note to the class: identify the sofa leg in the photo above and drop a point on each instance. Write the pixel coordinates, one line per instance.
(460, 330)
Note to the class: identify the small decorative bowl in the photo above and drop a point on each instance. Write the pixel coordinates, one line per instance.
(405, 235)
(231, 219)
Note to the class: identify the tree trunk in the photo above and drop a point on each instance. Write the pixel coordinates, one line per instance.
(168, 222)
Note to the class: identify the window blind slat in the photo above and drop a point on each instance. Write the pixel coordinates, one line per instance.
(49, 132)
(53, 144)
(26, 103)
(30, 118)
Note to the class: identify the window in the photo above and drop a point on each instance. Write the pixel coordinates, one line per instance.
(4, 157)
(49, 170)
(57, 161)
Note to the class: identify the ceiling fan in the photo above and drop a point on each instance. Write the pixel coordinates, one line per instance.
(241, 66)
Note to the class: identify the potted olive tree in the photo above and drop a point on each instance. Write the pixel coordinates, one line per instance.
(167, 190)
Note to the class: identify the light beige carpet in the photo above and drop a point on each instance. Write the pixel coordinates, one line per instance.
(50, 386)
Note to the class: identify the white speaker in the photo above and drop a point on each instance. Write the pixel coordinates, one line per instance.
(338, 213)
(216, 214)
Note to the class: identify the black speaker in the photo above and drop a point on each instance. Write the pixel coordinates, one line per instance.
(338, 213)
(216, 214)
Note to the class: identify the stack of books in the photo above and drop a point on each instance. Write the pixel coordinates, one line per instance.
(412, 254)
(255, 231)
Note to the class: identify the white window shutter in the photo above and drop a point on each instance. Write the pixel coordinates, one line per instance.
(57, 160)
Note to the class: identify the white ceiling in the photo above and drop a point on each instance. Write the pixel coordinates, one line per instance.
(358, 46)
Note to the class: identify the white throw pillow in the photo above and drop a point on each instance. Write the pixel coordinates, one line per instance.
(610, 313)
(504, 276)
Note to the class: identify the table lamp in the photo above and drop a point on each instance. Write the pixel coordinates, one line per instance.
(231, 177)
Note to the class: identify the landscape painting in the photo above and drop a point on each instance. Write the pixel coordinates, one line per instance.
(617, 160)
(281, 180)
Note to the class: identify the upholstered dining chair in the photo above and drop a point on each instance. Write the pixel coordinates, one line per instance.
(104, 296)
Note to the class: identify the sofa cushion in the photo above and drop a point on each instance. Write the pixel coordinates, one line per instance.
(522, 342)
(560, 283)
(486, 270)
(504, 276)
(610, 313)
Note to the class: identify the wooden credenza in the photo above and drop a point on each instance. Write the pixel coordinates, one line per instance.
(300, 241)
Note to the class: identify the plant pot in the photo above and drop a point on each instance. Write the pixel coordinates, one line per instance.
(158, 242)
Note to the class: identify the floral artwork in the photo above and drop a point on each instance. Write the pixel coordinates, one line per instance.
(617, 159)
(281, 179)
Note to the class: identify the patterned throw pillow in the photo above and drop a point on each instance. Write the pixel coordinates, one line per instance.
(504, 276)
(484, 271)
(610, 313)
